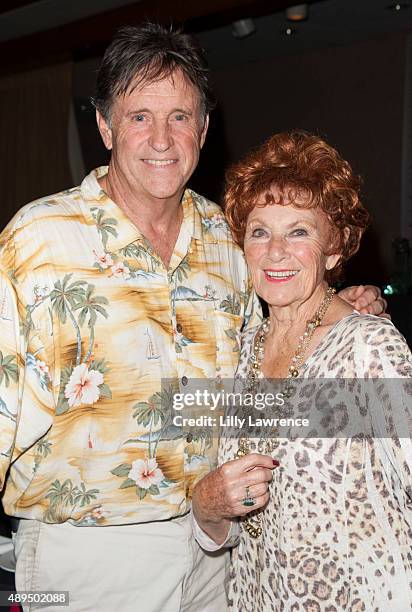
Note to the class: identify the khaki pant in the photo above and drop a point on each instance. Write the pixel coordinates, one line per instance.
(149, 567)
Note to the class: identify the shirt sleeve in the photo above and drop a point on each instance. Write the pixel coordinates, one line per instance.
(388, 363)
(10, 372)
(206, 542)
(253, 308)
(26, 402)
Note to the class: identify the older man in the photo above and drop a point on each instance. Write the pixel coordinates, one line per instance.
(107, 290)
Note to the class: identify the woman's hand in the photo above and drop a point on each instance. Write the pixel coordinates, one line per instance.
(218, 497)
(366, 299)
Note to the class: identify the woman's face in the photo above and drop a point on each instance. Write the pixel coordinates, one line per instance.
(286, 249)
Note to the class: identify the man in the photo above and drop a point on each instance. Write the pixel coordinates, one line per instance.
(112, 296)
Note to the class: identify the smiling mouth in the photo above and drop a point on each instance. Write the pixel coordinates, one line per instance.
(281, 274)
(159, 162)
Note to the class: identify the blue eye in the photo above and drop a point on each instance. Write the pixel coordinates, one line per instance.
(258, 232)
(299, 232)
(180, 117)
(139, 117)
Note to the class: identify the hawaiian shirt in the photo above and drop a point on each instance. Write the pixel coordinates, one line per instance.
(92, 324)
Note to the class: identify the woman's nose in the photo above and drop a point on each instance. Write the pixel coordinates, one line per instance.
(277, 248)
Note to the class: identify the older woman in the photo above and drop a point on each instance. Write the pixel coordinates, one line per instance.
(332, 530)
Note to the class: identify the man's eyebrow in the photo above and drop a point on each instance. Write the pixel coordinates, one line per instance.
(147, 110)
(137, 111)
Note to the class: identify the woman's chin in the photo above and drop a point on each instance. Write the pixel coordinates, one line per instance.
(279, 301)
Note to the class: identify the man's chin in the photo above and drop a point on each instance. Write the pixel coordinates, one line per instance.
(166, 194)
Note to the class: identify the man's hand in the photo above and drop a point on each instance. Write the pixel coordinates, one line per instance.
(366, 299)
(217, 497)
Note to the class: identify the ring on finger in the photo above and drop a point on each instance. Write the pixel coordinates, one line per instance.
(248, 500)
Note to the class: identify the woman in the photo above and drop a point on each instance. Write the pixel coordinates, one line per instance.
(336, 531)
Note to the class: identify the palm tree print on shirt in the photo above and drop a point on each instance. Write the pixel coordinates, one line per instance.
(65, 497)
(8, 373)
(155, 416)
(74, 302)
(82, 383)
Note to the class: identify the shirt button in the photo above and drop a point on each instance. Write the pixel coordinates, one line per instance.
(184, 381)
(179, 328)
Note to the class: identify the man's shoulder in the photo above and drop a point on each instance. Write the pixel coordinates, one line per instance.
(60, 203)
(205, 206)
(56, 202)
(212, 217)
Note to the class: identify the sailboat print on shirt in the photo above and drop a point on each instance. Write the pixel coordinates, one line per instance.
(4, 306)
(151, 349)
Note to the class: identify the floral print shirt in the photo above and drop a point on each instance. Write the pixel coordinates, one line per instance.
(95, 336)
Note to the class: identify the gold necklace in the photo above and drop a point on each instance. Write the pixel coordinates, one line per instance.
(253, 524)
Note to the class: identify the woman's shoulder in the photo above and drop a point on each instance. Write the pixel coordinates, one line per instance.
(369, 345)
(369, 327)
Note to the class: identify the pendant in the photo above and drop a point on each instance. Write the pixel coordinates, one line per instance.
(253, 530)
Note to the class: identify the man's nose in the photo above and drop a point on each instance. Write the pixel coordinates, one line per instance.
(160, 138)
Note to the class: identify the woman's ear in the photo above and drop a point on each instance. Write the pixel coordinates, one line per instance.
(332, 260)
(336, 244)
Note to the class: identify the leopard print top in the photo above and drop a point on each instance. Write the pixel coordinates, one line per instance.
(337, 532)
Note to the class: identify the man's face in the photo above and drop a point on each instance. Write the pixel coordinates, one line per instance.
(155, 134)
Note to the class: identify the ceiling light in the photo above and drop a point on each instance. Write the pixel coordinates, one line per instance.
(397, 6)
(299, 12)
(243, 28)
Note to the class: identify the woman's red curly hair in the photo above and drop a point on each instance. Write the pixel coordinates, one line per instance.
(299, 163)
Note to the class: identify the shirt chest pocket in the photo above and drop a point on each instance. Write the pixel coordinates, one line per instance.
(227, 328)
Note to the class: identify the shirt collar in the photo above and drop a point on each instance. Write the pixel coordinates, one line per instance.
(123, 231)
(191, 216)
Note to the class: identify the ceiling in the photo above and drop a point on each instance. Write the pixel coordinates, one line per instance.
(44, 30)
(330, 23)
(20, 18)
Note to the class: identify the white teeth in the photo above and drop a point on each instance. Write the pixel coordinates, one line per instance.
(281, 274)
(160, 162)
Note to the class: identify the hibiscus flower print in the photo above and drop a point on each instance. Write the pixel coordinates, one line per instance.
(42, 367)
(217, 221)
(103, 259)
(145, 473)
(83, 386)
(120, 270)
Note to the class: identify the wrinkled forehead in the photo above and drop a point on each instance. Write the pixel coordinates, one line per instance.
(174, 81)
(290, 206)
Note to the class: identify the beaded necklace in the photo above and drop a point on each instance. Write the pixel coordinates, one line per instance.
(253, 525)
